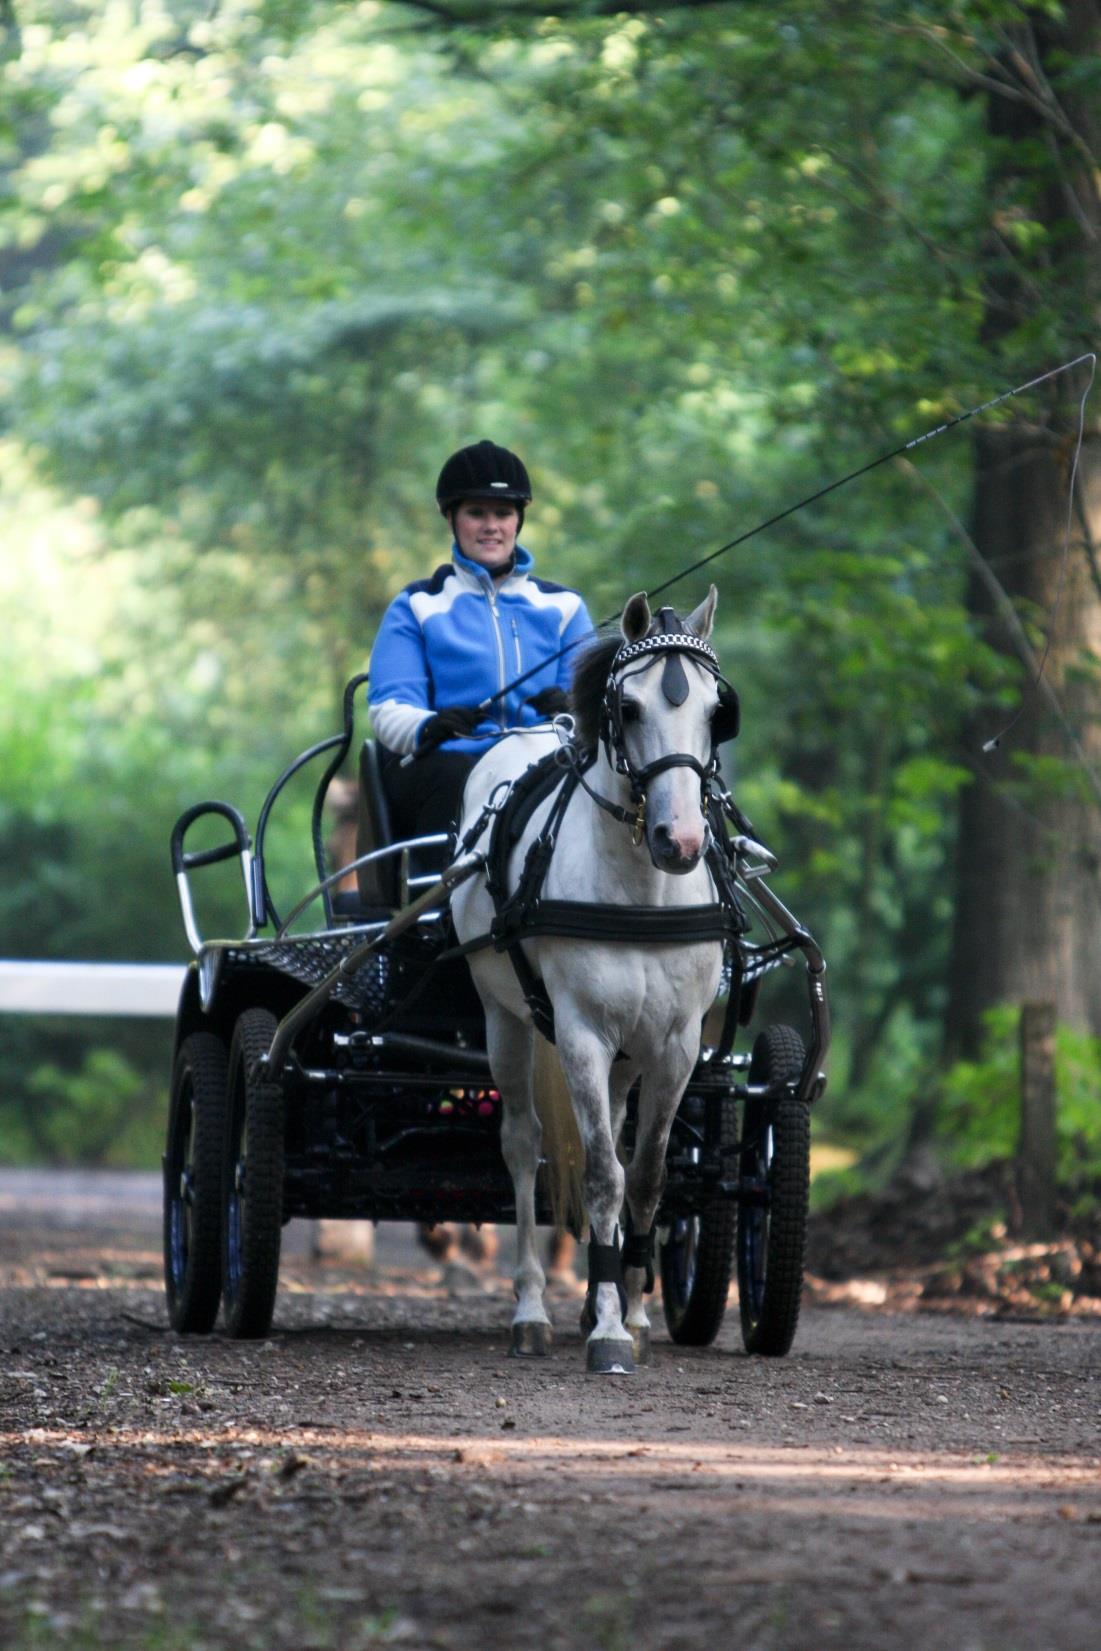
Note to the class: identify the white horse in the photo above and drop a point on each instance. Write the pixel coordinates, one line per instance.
(633, 835)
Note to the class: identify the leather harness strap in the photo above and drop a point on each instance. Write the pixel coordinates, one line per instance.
(591, 920)
(524, 914)
(638, 1251)
(605, 1267)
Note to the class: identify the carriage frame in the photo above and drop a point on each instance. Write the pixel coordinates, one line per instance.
(341, 1073)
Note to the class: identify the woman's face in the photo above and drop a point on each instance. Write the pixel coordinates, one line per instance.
(486, 531)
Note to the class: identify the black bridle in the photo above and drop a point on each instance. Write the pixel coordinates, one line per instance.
(673, 642)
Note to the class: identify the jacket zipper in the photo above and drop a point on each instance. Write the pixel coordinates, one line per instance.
(491, 597)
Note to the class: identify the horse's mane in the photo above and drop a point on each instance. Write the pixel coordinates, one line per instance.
(590, 678)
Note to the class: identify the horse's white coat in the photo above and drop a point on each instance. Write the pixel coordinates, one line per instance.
(648, 1001)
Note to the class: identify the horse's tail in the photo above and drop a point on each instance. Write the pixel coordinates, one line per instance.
(562, 1147)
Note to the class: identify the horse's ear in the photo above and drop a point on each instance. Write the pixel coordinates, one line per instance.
(636, 617)
(702, 618)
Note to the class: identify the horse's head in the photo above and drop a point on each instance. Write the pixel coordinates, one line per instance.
(661, 698)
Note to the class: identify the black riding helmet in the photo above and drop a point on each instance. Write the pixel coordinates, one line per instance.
(483, 471)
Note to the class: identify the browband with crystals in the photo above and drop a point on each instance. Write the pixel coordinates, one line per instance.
(678, 642)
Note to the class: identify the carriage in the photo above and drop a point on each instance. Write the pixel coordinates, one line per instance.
(341, 1070)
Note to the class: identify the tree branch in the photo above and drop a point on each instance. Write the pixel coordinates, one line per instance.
(1012, 622)
(1048, 109)
(1077, 211)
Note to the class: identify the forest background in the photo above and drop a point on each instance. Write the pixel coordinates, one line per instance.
(264, 263)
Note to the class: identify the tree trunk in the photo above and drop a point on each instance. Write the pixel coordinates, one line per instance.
(1028, 902)
(1028, 899)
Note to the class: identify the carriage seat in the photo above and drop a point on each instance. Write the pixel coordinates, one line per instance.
(378, 882)
(378, 886)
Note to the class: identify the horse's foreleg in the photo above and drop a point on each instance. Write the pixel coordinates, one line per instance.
(510, 1046)
(586, 1064)
(622, 1076)
(635, 1279)
(659, 1098)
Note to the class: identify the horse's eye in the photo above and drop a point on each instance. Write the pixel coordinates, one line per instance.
(631, 710)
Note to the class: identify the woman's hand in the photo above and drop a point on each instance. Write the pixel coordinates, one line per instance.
(550, 702)
(449, 724)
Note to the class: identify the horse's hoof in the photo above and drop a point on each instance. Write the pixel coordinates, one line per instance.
(530, 1340)
(640, 1342)
(588, 1318)
(610, 1358)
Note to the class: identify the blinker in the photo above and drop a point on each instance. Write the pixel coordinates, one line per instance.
(727, 721)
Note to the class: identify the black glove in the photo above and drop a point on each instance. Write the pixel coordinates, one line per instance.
(549, 702)
(450, 724)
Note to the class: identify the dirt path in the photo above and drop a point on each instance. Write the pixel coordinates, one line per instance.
(379, 1473)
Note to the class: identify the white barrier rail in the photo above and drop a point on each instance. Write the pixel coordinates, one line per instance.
(151, 989)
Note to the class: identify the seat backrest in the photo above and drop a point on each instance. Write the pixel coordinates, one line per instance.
(379, 882)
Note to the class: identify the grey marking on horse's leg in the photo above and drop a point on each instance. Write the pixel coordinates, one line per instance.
(510, 1046)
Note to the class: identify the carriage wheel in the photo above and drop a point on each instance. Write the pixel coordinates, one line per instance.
(772, 1220)
(193, 1184)
(697, 1260)
(252, 1189)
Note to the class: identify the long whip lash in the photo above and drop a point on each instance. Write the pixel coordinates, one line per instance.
(843, 481)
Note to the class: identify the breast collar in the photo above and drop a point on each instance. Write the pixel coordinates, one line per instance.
(524, 913)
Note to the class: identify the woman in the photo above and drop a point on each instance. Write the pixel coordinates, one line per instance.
(449, 646)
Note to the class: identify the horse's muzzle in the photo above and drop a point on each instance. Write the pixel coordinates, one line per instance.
(676, 852)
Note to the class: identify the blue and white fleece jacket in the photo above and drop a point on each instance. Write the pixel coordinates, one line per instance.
(457, 638)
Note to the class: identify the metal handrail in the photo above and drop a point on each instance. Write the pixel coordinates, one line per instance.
(403, 848)
(183, 862)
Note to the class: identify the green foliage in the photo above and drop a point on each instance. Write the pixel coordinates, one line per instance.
(978, 1112)
(86, 1106)
(97, 1098)
(263, 264)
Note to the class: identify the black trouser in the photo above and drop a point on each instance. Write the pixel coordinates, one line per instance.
(426, 794)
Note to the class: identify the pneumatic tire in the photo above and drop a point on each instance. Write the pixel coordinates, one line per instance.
(193, 1184)
(697, 1259)
(774, 1169)
(252, 1189)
